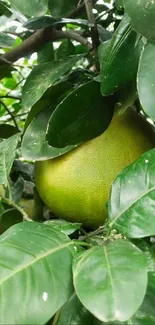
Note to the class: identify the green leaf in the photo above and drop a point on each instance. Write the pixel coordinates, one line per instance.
(126, 96)
(111, 280)
(7, 154)
(141, 15)
(119, 58)
(6, 41)
(7, 131)
(30, 8)
(9, 218)
(146, 80)
(44, 76)
(53, 94)
(65, 227)
(61, 8)
(46, 53)
(31, 254)
(44, 21)
(17, 189)
(74, 313)
(65, 49)
(34, 144)
(90, 117)
(132, 202)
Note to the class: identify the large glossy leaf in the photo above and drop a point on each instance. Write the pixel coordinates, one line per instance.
(30, 272)
(132, 201)
(119, 58)
(44, 76)
(6, 40)
(90, 117)
(34, 144)
(111, 280)
(9, 218)
(44, 21)
(61, 8)
(7, 154)
(146, 80)
(141, 13)
(30, 8)
(51, 97)
(74, 313)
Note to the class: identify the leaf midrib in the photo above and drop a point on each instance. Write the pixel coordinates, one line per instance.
(41, 256)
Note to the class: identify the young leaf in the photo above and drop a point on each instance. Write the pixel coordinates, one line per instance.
(119, 58)
(146, 80)
(61, 8)
(44, 76)
(31, 255)
(7, 154)
(111, 280)
(132, 202)
(30, 8)
(90, 117)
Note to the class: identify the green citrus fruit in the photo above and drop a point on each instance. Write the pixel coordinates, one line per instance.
(76, 186)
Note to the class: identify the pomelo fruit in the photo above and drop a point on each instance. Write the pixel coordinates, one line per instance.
(76, 186)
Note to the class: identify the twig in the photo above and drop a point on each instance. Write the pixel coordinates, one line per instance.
(16, 206)
(10, 96)
(37, 40)
(74, 36)
(10, 113)
(104, 13)
(91, 19)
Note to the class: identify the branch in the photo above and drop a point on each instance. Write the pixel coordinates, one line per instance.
(10, 113)
(91, 19)
(74, 36)
(37, 40)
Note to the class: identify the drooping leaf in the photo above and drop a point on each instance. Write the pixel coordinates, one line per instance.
(64, 226)
(6, 41)
(44, 21)
(30, 8)
(7, 154)
(119, 58)
(146, 80)
(132, 201)
(31, 255)
(61, 8)
(141, 15)
(42, 77)
(34, 144)
(111, 280)
(74, 313)
(90, 117)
